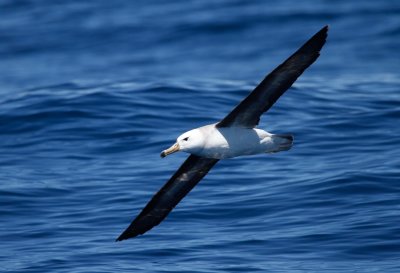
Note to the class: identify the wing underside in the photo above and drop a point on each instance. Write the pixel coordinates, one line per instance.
(180, 184)
(247, 113)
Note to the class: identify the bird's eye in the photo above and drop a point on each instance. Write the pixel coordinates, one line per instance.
(186, 138)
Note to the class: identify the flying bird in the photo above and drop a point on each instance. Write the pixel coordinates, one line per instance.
(234, 135)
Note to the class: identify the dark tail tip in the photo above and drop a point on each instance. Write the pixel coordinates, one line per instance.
(287, 136)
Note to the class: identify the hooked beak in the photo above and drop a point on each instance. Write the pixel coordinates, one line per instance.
(174, 148)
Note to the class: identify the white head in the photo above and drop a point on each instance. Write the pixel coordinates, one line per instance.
(190, 142)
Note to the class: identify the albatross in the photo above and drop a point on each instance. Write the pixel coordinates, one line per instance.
(235, 135)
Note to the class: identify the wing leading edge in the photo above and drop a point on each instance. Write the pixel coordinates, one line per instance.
(247, 113)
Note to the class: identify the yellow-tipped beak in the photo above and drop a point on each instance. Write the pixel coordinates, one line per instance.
(174, 148)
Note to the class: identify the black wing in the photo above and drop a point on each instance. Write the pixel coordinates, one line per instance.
(180, 184)
(247, 113)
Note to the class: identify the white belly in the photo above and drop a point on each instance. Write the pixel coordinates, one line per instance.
(233, 141)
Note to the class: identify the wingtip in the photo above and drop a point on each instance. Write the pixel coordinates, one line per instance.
(120, 238)
(323, 31)
(316, 42)
(132, 231)
(123, 236)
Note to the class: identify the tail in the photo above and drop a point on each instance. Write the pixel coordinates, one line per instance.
(283, 142)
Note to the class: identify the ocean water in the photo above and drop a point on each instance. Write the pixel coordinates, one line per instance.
(92, 91)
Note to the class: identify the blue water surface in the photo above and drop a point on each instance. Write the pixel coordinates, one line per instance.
(92, 91)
